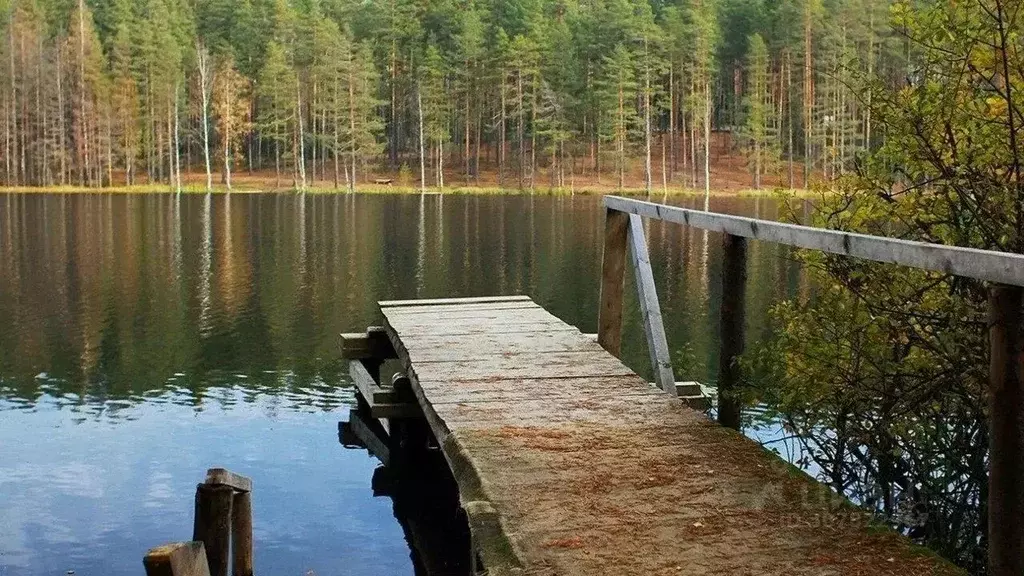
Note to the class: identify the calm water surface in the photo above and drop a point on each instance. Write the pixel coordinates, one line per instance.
(146, 338)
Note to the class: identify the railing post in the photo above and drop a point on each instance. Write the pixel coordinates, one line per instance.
(734, 283)
(654, 328)
(613, 268)
(1006, 432)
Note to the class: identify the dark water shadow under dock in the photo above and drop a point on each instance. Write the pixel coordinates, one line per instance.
(425, 497)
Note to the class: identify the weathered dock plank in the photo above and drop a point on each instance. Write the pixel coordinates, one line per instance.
(438, 348)
(518, 366)
(570, 464)
(511, 391)
(466, 309)
(454, 301)
(491, 327)
(480, 317)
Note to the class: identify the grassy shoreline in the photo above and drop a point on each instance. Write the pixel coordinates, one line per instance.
(658, 192)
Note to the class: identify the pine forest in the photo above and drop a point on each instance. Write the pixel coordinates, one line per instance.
(524, 94)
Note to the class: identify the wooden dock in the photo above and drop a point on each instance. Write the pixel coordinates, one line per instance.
(568, 463)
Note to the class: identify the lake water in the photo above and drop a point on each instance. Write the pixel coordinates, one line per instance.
(146, 338)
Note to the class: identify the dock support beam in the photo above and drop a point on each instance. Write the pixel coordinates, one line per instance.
(734, 287)
(613, 276)
(1006, 432)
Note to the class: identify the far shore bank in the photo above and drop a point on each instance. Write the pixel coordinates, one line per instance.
(656, 193)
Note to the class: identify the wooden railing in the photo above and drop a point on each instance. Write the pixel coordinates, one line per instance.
(1003, 271)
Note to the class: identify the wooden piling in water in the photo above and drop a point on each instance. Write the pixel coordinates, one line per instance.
(177, 559)
(734, 282)
(221, 531)
(1006, 432)
(213, 525)
(241, 534)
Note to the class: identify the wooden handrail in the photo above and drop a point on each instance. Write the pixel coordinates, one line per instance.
(1002, 267)
(1002, 270)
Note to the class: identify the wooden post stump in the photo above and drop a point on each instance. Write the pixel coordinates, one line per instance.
(213, 525)
(221, 529)
(177, 559)
(241, 534)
